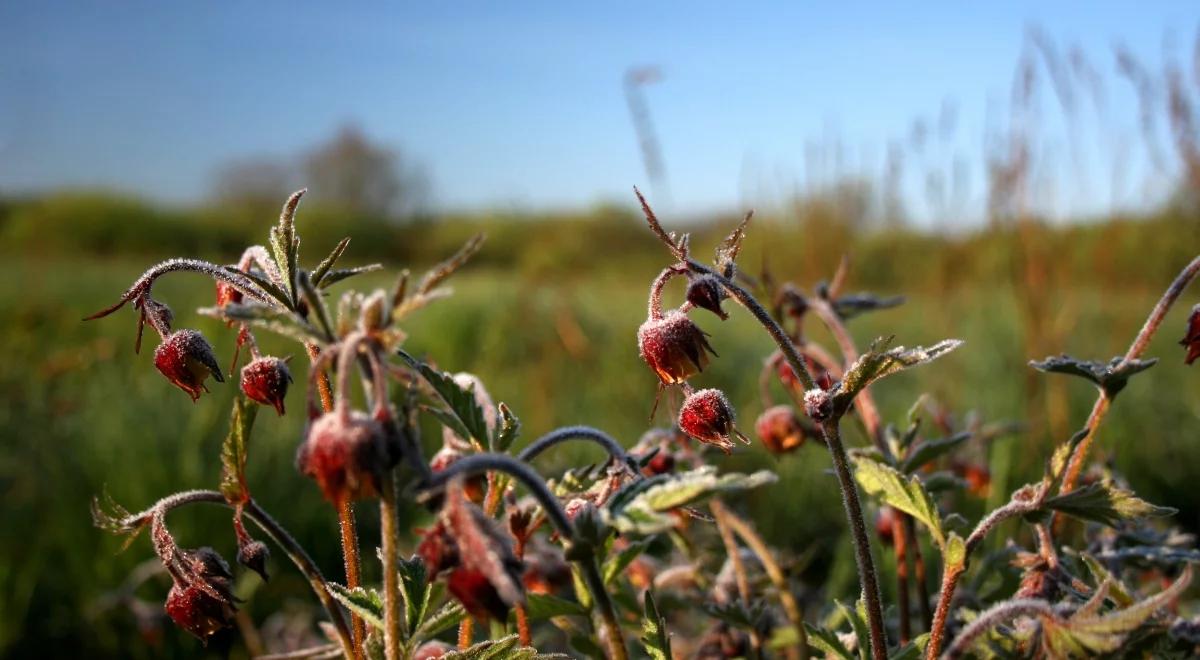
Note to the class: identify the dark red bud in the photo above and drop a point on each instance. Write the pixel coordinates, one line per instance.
(346, 456)
(662, 463)
(674, 347)
(780, 429)
(254, 555)
(266, 381)
(1191, 340)
(707, 416)
(201, 600)
(706, 292)
(818, 404)
(186, 358)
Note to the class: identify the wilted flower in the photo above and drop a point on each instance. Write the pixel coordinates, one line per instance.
(1191, 340)
(266, 381)
(201, 601)
(485, 575)
(706, 292)
(707, 416)
(780, 429)
(186, 358)
(346, 454)
(674, 347)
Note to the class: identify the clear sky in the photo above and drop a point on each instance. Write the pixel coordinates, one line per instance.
(520, 104)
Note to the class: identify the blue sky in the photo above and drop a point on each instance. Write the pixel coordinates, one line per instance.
(520, 105)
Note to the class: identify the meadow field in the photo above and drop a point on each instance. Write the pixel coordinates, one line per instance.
(546, 317)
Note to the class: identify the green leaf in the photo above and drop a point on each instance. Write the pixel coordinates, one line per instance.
(827, 642)
(655, 638)
(261, 317)
(316, 304)
(620, 561)
(1116, 588)
(461, 401)
(1111, 376)
(905, 493)
(233, 451)
(416, 589)
(285, 246)
(547, 606)
(879, 361)
(266, 284)
(929, 450)
(850, 306)
(955, 554)
(323, 268)
(913, 650)
(505, 648)
(643, 511)
(738, 614)
(444, 618)
(1105, 503)
(366, 603)
(1086, 633)
(857, 623)
(440, 272)
(507, 430)
(335, 276)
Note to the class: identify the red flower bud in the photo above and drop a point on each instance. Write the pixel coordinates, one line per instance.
(226, 294)
(201, 600)
(662, 463)
(818, 404)
(1191, 340)
(707, 416)
(254, 555)
(266, 381)
(706, 292)
(674, 347)
(780, 429)
(475, 488)
(346, 455)
(186, 358)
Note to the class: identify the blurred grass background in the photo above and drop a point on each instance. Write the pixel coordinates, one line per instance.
(546, 316)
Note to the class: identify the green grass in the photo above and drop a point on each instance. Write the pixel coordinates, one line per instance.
(80, 413)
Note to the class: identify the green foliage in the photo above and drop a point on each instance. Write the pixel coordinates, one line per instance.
(1111, 376)
(366, 603)
(879, 361)
(642, 508)
(464, 416)
(655, 638)
(903, 492)
(1104, 503)
(233, 450)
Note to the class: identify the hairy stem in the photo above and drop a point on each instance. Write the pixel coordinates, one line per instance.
(278, 534)
(389, 534)
(1079, 456)
(900, 540)
(868, 579)
(349, 536)
(588, 433)
(1001, 612)
(791, 608)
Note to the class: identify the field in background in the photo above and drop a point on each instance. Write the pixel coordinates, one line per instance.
(547, 318)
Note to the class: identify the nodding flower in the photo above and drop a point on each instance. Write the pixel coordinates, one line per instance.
(706, 292)
(201, 600)
(780, 429)
(1191, 340)
(345, 454)
(707, 416)
(674, 347)
(186, 358)
(266, 380)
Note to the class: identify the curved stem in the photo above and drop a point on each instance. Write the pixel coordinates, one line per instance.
(998, 614)
(278, 534)
(389, 533)
(654, 305)
(862, 545)
(610, 445)
(143, 285)
(1136, 349)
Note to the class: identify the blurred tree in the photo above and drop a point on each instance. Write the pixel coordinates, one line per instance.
(367, 179)
(254, 184)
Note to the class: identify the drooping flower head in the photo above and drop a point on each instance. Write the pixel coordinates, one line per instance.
(345, 454)
(780, 429)
(186, 358)
(674, 347)
(707, 416)
(266, 381)
(706, 292)
(201, 600)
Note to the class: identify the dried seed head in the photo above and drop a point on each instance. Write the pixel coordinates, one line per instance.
(780, 429)
(707, 416)
(346, 455)
(266, 381)
(201, 600)
(674, 347)
(706, 292)
(186, 358)
(1191, 340)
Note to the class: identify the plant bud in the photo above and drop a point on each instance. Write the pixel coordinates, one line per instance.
(780, 429)
(254, 555)
(707, 416)
(266, 381)
(201, 600)
(674, 347)
(346, 456)
(706, 292)
(1191, 340)
(186, 358)
(818, 405)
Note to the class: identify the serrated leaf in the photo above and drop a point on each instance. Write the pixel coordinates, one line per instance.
(859, 625)
(444, 618)
(507, 431)
(655, 638)
(461, 401)
(827, 642)
(620, 561)
(366, 603)
(879, 361)
(233, 451)
(644, 510)
(1104, 503)
(727, 251)
(491, 649)
(316, 304)
(264, 283)
(322, 269)
(416, 589)
(548, 606)
(1111, 376)
(905, 493)
(847, 307)
(929, 450)
(335, 276)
